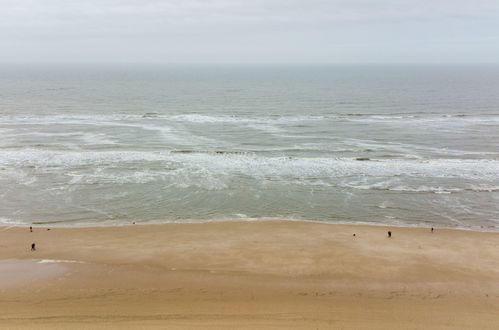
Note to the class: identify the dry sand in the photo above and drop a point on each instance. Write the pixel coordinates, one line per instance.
(248, 275)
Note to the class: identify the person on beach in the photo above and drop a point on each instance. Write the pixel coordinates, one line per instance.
(432, 229)
(30, 229)
(33, 247)
(389, 234)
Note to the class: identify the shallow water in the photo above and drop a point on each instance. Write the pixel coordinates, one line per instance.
(379, 144)
(15, 272)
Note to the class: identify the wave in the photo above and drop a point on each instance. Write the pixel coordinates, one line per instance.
(407, 149)
(148, 117)
(409, 118)
(11, 222)
(260, 119)
(439, 119)
(148, 166)
(218, 152)
(423, 189)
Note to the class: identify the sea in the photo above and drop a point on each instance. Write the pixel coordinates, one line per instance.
(113, 144)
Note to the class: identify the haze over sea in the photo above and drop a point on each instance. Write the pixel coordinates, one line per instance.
(112, 144)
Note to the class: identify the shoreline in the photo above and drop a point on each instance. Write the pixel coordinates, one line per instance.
(104, 224)
(250, 275)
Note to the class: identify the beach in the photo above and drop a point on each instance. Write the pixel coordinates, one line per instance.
(248, 275)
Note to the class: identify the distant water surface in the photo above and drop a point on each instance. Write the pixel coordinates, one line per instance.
(409, 145)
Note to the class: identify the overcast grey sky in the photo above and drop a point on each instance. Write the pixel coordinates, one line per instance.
(250, 31)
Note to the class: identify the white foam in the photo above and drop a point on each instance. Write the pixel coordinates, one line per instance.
(9, 221)
(172, 164)
(406, 149)
(138, 119)
(210, 118)
(426, 119)
(96, 139)
(419, 188)
(198, 118)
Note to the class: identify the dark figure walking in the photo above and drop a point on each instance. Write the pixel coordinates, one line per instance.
(389, 234)
(432, 229)
(33, 247)
(30, 229)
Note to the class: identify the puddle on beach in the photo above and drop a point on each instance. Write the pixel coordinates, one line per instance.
(21, 272)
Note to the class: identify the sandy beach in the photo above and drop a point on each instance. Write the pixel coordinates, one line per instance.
(248, 275)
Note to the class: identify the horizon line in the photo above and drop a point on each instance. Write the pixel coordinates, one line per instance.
(245, 63)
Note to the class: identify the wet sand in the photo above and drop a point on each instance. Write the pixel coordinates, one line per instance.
(248, 275)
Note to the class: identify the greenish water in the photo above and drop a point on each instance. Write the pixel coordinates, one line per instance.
(408, 145)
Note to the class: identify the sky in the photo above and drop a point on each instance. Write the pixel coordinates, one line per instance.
(250, 31)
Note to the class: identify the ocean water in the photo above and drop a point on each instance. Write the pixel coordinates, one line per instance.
(112, 144)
